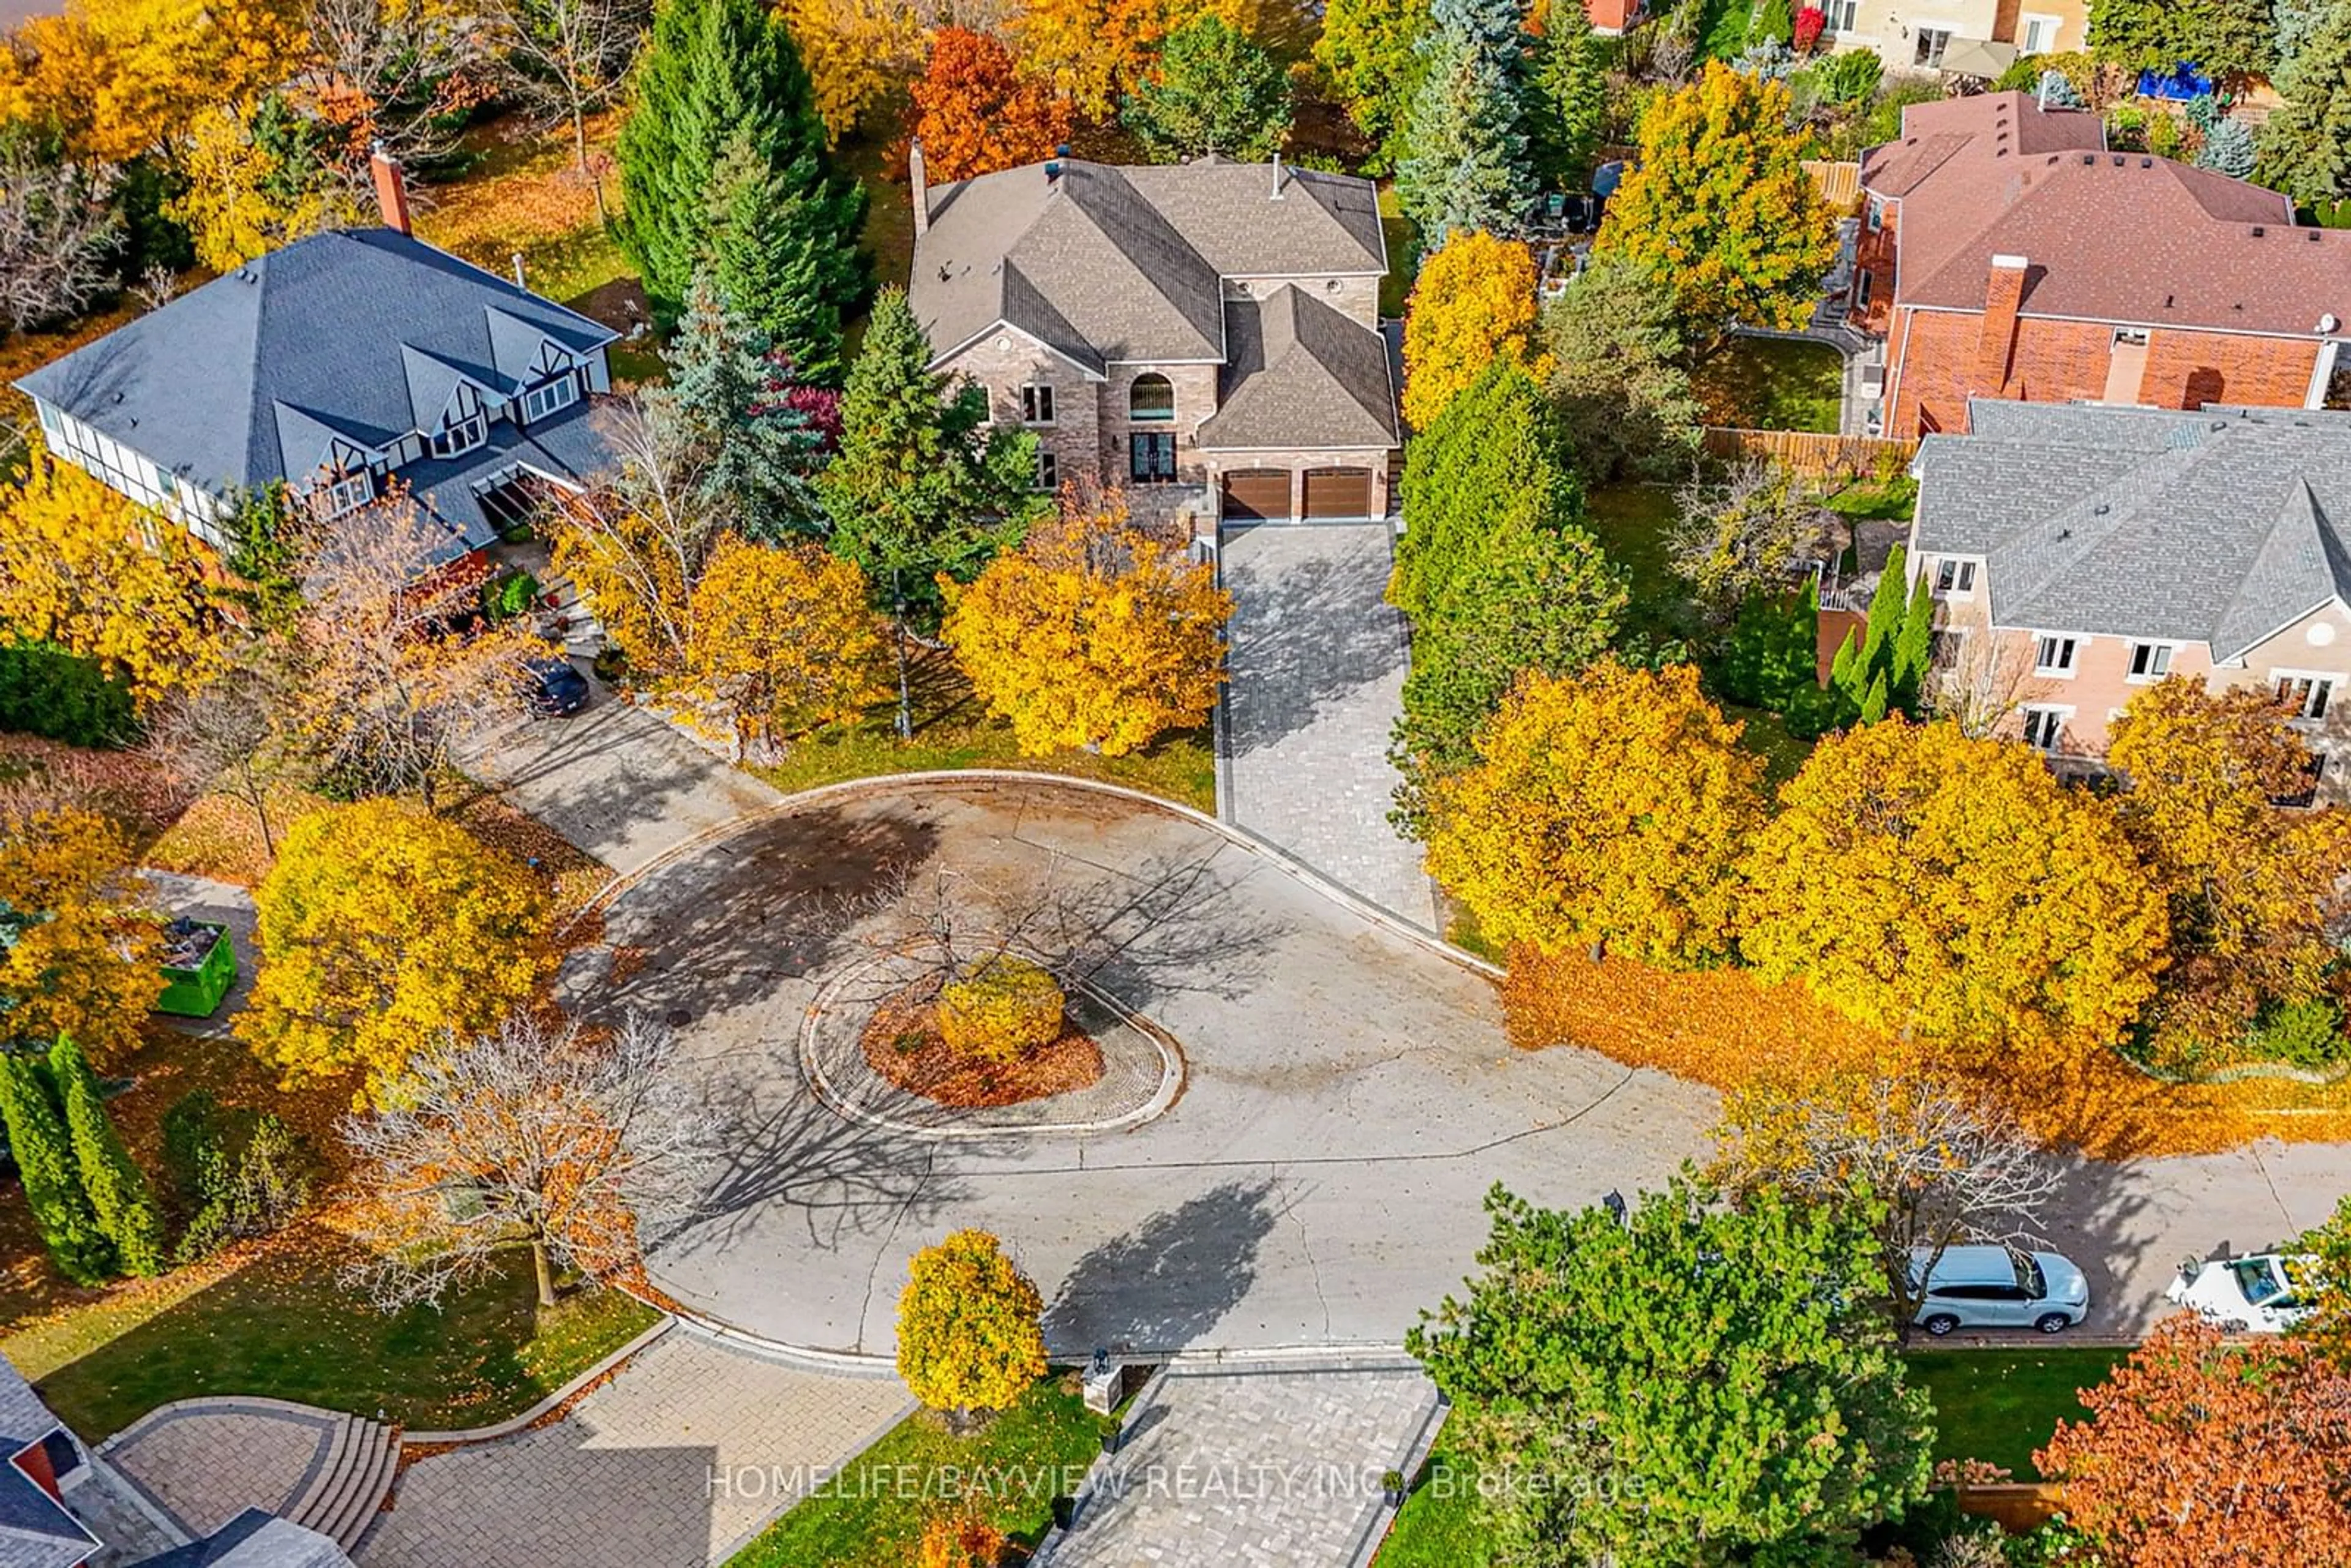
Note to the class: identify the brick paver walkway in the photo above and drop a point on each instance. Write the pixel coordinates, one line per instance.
(1318, 663)
(670, 1464)
(1251, 1471)
(205, 1464)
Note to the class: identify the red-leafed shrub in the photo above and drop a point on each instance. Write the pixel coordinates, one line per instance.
(1810, 23)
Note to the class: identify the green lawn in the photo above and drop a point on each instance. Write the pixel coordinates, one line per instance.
(1773, 384)
(1403, 252)
(2001, 1404)
(1438, 1526)
(871, 1516)
(1632, 522)
(952, 730)
(285, 1328)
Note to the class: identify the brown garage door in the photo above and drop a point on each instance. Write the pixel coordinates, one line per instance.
(1338, 492)
(1257, 493)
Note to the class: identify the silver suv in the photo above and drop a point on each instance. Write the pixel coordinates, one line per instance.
(2002, 1288)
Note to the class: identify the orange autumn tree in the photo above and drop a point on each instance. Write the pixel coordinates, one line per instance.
(79, 949)
(1924, 883)
(1092, 634)
(1473, 303)
(101, 576)
(2204, 1454)
(973, 113)
(1092, 51)
(1606, 810)
(782, 641)
(970, 1333)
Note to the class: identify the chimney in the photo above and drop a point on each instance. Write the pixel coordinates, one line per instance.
(1277, 174)
(1996, 338)
(390, 188)
(920, 180)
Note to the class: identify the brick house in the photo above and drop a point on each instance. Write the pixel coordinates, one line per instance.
(1203, 336)
(1614, 17)
(336, 366)
(1955, 38)
(2006, 253)
(2077, 554)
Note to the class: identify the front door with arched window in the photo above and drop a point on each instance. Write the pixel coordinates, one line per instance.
(1151, 453)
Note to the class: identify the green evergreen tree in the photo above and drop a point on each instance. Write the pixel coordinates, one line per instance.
(44, 1153)
(726, 385)
(2305, 147)
(1875, 700)
(1848, 678)
(1465, 165)
(1370, 58)
(119, 1197)
(1213, 89)
(721, 74)
(769, 253)
(2228, 149)
(922, 483)
(1495, 459)
(1913, 653)
(1567, 101)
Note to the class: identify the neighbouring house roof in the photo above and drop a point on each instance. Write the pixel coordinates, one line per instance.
(23, 1417)
(1107, 264)
(1301, 375)
(35, 1531)
(2107, 237)
(255, 1539)
(2220, 527)
(356, 334)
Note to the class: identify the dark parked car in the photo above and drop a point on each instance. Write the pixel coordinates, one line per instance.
(553, 687)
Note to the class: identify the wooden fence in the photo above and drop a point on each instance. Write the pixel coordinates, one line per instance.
(1839, 183)
(1853, 456)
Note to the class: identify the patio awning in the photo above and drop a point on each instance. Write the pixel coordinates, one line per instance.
(1978, 57)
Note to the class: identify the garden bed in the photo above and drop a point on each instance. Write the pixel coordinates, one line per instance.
(902, 1043)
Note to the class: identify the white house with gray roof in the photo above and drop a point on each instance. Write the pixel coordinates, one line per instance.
(339, 366)
(1202, 336)
(2079, 554)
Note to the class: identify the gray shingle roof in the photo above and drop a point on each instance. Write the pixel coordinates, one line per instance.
(2220, 527)
(35, 1531)
(1301, 375)
(1107, 263)
(245, 379)
(255, 1539)
(23, 1417)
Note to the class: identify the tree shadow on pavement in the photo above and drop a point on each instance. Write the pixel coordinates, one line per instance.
(833, 1176)
(1165, 1284)
(1305, 631)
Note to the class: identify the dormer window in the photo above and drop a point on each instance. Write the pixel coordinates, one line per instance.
(461, 435)
(549, 396)
(349, 493)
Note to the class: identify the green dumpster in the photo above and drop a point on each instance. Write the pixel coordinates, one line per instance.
(199, 966)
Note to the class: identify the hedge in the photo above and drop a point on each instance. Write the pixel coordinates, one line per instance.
(47, 691)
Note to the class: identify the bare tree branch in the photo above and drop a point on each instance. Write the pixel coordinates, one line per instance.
(1984, 678)
(59, 233)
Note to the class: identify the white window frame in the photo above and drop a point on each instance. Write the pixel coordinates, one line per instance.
(1842, 15)
(1961, 575)
(1928, 59)
(349, 493)
(1037, 403)
(1876, 215)
(460, 436)
(2159, 657)
(2052, 717)
(2027, 21)
(2317, 691)
(2048, 644)
(549, 397)
(1048, 477)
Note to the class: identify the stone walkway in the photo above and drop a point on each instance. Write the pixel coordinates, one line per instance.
(1253, 1469)
(673, 1464)
(1318, 660)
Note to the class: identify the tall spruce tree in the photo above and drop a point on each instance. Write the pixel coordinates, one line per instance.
(723, 76)
(769, 252)
(1567, 101)
(923, 484)
(727, 384)
(1466, 162)
(2305, 146)
(43, 1150)
(119, 1197)
(1495, 458)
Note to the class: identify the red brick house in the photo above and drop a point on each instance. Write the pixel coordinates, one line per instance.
(1613, 16)
(2005, 253)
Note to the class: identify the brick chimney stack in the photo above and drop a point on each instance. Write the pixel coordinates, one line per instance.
(1996, 338)
(920, 180)
(390, 188)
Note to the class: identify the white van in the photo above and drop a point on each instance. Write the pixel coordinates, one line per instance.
(2001, 1288)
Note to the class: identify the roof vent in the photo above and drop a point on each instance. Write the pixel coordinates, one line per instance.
(2147, 162)
(2119, 160)
(2101, 509)
(2327, 323)
(2088, 159)
(2313, 236)
(2259, 231)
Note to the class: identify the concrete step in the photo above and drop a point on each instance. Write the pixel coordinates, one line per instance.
(362, 1459)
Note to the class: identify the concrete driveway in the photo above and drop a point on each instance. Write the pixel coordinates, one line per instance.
(1349, 1097)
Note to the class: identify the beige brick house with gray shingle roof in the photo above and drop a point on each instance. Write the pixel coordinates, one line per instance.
(1203, 336)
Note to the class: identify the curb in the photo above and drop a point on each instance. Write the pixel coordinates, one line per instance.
(512, 1425)
(947, 780)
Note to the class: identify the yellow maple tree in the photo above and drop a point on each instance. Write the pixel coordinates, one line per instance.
(969, 1327)
(115, 78)
(783, 640)
(637, 566)
(1092, 51)
(83, 951)
(241, 201)
(2253, 890)
(86, 568)
(1473, 303)
(858, 53)
(1606, 810)
(382, 928)
(1927, 884)
(1092, 634)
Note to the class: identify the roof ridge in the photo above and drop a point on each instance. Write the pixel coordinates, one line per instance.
(2087, 522)
(1150, 274)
